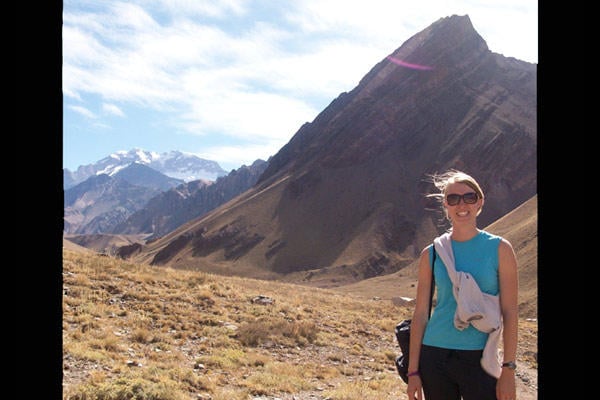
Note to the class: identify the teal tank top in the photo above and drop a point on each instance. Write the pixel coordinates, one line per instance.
(479, 257)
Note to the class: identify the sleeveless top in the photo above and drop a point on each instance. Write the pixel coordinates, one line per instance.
(479, 257)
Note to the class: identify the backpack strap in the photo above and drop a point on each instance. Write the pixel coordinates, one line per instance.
(432, 278)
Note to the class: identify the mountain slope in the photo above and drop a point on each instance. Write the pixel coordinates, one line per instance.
(520, 227)
(172, 208)
(101, 202)
(346, 194)
(142, 175)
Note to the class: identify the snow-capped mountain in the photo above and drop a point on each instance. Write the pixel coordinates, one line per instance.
(174, 164)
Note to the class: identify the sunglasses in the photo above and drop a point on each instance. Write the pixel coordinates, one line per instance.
(468, 198)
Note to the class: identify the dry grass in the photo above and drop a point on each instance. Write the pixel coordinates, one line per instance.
(132, 331)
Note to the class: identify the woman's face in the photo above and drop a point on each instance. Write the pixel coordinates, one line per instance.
(462, 203)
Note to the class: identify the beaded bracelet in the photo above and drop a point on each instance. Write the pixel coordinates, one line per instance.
(414, 373)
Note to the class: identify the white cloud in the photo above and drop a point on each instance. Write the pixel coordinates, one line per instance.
(112, 110)
(257, 116)
(83, 111)
(232, 157)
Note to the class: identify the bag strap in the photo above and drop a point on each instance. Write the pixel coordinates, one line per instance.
(432, 279)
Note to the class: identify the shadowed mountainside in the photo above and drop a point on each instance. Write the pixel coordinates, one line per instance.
(520, 227)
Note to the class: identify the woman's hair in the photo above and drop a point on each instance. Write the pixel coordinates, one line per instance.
(445, 179)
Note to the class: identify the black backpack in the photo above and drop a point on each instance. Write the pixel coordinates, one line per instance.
(403, 336)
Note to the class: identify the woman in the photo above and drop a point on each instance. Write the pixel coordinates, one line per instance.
(445, 361)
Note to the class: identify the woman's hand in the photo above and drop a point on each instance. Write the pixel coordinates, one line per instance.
(506, 388)
(415, 388)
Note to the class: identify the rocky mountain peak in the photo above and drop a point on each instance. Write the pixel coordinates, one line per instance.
(344, 198)
(175, 164)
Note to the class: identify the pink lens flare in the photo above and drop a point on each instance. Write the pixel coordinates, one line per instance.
(409, 65)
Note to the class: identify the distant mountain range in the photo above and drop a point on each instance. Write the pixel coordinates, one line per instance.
(175, 164)
(114, 192)
(174, 207)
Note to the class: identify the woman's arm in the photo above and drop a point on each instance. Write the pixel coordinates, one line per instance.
(509, 289)
(419, 321)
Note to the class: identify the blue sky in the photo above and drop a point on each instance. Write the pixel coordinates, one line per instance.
(233, 80)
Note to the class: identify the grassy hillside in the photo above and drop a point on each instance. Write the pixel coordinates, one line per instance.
(132, 331)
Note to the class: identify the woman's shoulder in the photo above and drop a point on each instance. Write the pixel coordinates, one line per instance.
(485, 235)
(501, 241)
(426, 249)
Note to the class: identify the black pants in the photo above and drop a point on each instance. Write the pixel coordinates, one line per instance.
(454, 374)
